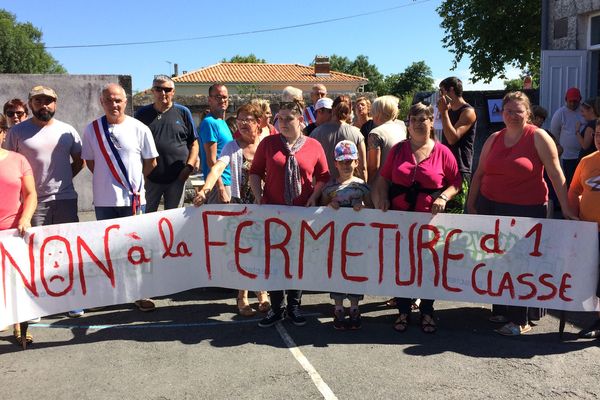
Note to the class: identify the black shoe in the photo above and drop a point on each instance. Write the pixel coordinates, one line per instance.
(355, 322)
(271, 319)
(591, 332)
(296, 317)
(339, 320)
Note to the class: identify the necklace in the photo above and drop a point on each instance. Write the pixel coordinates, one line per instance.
(160, 114)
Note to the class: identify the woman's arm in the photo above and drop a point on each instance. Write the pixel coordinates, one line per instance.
(380, 194)
(546, 150)
(362, 162)
(373, 162)
(575, 190)
(256, 187)
(29, 203)
(586, 140)
(476, 178)
(209, 182)
(313, 200)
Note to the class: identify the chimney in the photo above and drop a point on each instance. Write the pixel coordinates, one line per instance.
(322, 66)
(175, 70)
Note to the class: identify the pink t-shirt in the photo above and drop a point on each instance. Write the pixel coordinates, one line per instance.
(269, 164)
(438, 171)
(12, 170)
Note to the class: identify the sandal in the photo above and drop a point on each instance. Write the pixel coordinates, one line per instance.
(512, 329)
(244, 308)
(428, 323)
(263, 301)
(401, 323)
(19, 337)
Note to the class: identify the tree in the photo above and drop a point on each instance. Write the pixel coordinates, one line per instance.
(22, 50)
(415, 78)
(494, 34)
(359, 67)
(249, 59)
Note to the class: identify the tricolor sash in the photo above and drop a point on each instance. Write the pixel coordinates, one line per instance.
(113, 160)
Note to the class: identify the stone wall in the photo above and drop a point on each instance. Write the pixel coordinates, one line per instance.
(568, 23)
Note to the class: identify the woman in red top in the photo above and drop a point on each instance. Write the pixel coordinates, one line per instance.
(509, 180)
(288, 163)
(19, 199)
(419, 174)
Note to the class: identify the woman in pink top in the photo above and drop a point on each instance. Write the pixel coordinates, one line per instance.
(509, 180)
(419, 174)
(19, 199)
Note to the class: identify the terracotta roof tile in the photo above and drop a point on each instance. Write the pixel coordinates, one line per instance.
(263, 73)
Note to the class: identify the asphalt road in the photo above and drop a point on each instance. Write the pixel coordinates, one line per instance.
(194, 346)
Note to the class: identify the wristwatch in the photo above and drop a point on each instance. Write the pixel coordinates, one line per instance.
(444, 197)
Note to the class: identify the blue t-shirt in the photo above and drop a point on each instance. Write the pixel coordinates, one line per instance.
(215, 131)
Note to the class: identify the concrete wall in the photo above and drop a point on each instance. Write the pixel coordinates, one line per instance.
(78, 104)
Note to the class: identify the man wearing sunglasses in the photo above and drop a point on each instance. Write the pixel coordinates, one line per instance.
(214, 135)
(174, 134)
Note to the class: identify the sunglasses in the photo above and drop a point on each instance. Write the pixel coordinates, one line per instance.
(11, 114)
(162, 89)
(292, 106)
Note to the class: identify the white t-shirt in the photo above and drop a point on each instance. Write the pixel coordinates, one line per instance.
(134, 143)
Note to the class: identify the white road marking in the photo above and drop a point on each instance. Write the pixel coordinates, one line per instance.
(312, 372)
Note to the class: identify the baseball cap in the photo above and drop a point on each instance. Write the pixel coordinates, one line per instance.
(323, 102)
(345, 150)
(573, 94)
(42, 91)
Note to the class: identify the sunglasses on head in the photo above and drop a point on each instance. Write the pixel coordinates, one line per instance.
(162, 89)
(291, 106)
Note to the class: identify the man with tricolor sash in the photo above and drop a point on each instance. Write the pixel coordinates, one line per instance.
(119, 151)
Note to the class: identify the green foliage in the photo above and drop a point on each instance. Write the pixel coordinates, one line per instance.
(494, 34)
(513, 84)
(404, 105)
(416, 77)
(249, 59)
(22, 50)
(359, 67)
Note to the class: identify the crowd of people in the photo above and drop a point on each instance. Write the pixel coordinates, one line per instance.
(334, 153)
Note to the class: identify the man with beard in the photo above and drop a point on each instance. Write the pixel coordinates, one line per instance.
(174, 134)
(53, 148)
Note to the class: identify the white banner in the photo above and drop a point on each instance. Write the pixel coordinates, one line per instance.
(481, 259)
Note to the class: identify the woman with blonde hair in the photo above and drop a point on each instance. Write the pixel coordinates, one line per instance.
(387, 132)
(362, 116)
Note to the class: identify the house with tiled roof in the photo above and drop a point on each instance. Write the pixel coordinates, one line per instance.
(246, 78)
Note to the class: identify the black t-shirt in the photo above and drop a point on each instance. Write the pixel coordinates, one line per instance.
(592, 146)
(174, 133)
(463, 149)
(366, 128)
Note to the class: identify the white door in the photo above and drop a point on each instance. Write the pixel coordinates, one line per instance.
(562, 69)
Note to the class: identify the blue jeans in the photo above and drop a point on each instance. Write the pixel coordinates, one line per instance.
(115, 212)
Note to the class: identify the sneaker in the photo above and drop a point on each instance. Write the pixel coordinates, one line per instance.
(296, 317)
(271, 319)
(75, 313)
(145, 305)
(355, 322)
(339, 320)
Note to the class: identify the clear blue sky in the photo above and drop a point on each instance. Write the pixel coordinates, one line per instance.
(392, 40)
